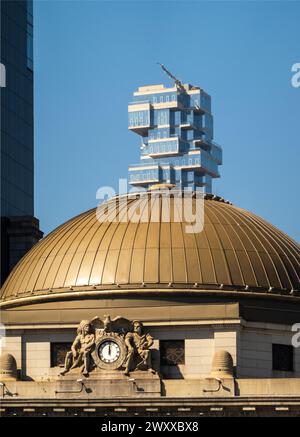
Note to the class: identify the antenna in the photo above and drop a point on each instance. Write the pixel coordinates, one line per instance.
(178, 83)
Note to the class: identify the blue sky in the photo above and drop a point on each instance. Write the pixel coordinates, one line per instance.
(91, 55)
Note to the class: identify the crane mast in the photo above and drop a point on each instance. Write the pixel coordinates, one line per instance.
(178, 83)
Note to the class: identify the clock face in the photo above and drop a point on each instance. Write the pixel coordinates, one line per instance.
(109, 351)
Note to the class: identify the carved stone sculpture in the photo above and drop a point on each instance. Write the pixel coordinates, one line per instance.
(138, 345)
(110, 350)
(109, 344)
(80, 353)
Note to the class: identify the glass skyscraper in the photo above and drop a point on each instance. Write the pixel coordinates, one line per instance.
(19, 228)
(176, 129)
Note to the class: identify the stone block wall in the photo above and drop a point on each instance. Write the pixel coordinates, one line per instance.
(249, 345)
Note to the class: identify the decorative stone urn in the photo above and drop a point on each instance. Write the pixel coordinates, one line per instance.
(8, 368)
(222, 365)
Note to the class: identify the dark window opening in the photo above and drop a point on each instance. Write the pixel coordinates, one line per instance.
(171, 352)
(283, 357)
(58, 353)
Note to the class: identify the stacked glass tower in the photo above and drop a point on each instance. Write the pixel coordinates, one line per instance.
(176, 129)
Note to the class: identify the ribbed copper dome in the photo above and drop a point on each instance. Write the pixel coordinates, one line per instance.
(236, 251)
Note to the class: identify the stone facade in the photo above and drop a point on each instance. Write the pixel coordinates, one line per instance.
(250, 345)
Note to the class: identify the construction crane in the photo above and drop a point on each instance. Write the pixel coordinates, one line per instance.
(178, 83)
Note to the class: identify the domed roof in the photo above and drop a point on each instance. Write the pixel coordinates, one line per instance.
(236, 251)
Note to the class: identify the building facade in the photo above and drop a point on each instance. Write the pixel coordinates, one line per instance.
(219, 306)
(19, 228)
(176, 129)
(123, 311)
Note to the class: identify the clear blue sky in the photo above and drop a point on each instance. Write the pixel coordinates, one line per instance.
(91, 55)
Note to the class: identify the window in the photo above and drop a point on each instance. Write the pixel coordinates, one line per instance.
(58, 353)
(283, 357)
(171, 352)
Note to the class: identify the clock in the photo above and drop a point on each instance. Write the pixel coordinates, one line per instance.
(110, 351)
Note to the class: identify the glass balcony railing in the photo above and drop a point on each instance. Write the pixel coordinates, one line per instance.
(139, 102)
(163, 147)
(143, 176)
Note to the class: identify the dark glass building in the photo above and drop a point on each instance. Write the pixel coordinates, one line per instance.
(19, 228)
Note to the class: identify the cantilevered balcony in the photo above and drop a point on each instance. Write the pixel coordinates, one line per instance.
(211, 147)
(162, 147)
(140, 174)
